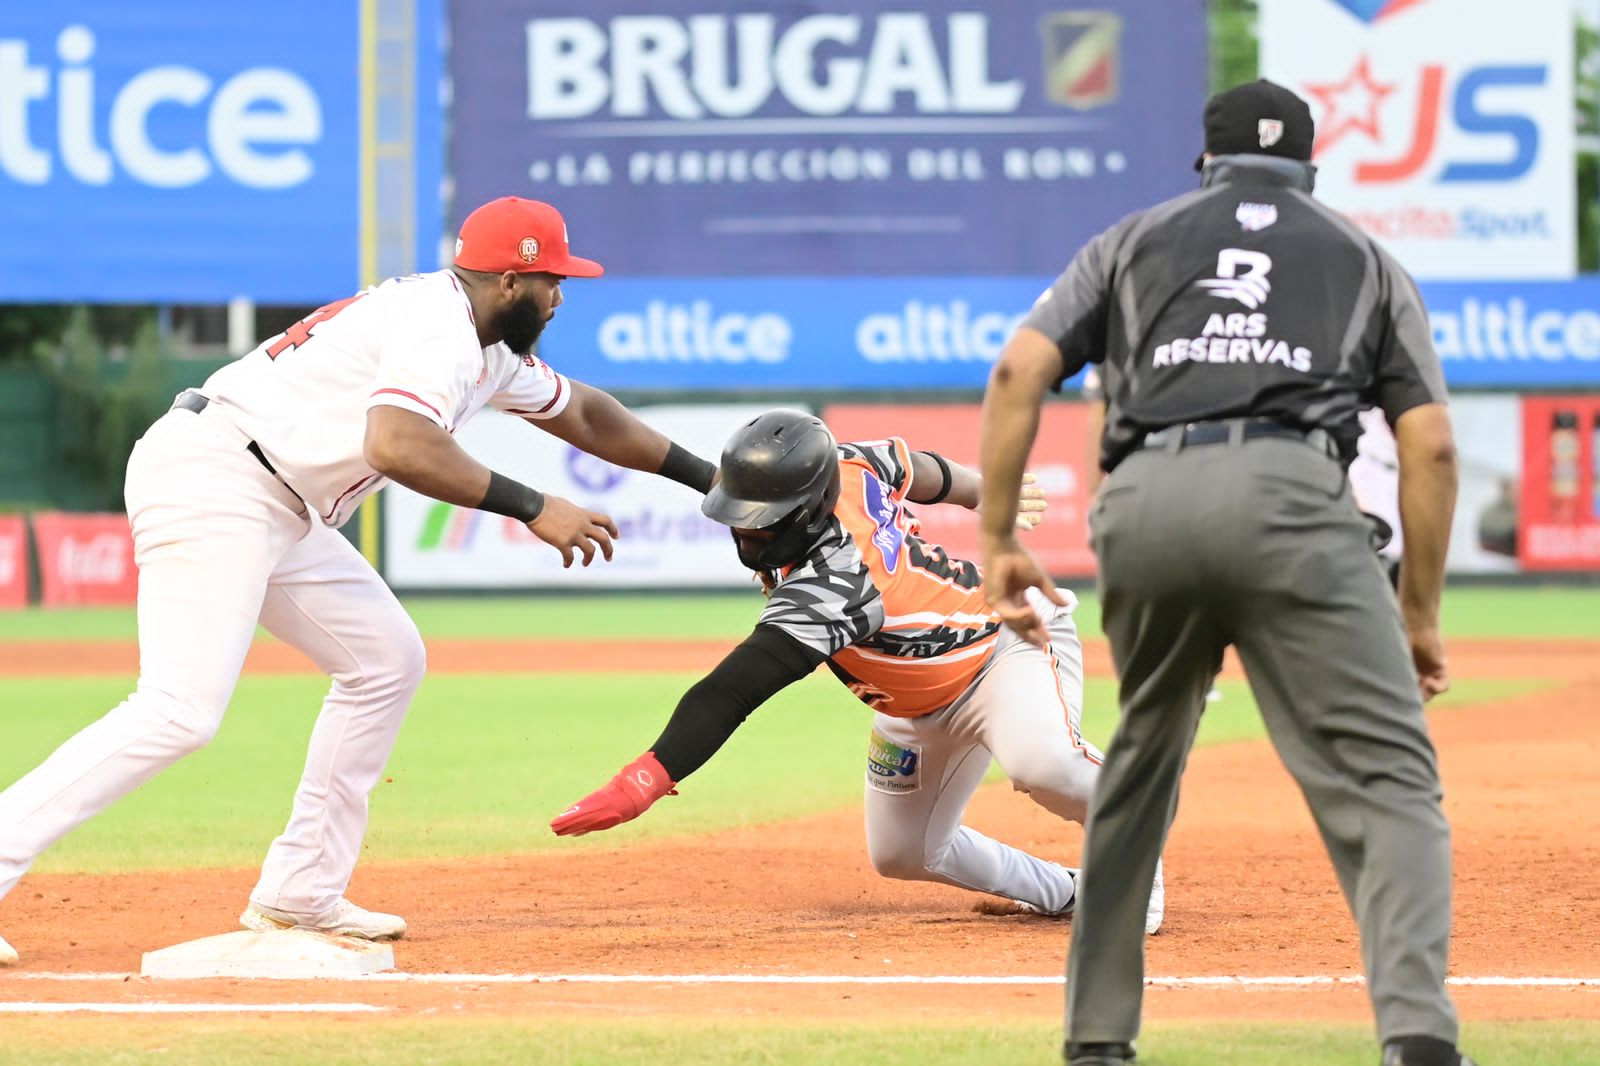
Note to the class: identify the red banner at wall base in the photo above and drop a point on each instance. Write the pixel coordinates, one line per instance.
(85, 559)
(13, 562)
(1560, 500)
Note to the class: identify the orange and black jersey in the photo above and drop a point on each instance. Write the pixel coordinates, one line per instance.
(905, 626)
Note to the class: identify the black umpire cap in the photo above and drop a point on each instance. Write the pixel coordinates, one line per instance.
(1259, 117)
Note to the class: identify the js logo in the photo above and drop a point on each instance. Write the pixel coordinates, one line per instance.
(1373, 10)
(1356, 103)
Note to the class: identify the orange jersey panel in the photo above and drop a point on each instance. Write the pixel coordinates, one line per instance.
(905, 626)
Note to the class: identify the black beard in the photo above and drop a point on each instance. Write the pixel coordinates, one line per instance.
(520, 326)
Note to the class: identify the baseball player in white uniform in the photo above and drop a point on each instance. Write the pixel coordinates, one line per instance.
(1375, 481)
(235, 496)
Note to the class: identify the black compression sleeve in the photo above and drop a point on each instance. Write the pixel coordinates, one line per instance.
(767, 661)
(687, 468)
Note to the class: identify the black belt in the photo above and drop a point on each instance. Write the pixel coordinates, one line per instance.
(190, 400)
(1194, 434)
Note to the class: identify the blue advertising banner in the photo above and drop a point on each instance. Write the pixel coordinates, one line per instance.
(178, 150)
(1543, 334)
(776, 333)
(918, 333)
(833, 137)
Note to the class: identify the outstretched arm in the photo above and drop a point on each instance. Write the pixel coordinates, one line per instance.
(765, 663)
(935, 479)
(418, 453)
(594, 421)
(1027, 367)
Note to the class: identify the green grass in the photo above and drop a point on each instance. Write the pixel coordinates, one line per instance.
(608, 1039)
(1472, 611)
(682, 616)
(485, 760)
(483, 763)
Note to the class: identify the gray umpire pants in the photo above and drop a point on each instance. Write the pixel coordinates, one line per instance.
(1258, 544)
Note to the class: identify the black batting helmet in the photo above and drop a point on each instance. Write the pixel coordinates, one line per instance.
(780, 475)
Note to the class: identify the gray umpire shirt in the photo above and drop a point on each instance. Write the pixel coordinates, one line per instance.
(1244, 298)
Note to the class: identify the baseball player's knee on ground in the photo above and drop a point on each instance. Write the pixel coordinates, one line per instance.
(903, 857)
(1060, 782)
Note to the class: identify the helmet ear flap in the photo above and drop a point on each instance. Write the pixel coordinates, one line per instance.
(825, 505)
(798, 530)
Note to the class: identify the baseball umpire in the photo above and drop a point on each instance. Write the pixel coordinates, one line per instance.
(1242, 327)
(851, 583)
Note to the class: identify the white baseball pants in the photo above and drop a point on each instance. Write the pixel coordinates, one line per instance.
(1024, 709)
(222, 544)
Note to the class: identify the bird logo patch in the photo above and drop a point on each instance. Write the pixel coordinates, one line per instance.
(1256, 216)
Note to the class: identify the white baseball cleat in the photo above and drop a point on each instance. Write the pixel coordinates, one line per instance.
(1158, 904)
(8, 954)
(342, 919)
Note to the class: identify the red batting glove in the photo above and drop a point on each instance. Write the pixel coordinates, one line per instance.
(624, 798)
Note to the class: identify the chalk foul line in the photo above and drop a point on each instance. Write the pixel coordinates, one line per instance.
(1197, 981)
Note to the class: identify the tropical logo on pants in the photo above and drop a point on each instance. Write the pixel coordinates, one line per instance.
(890, 767)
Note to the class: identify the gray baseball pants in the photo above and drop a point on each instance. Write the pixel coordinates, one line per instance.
(1259, 544)
(1024, 708)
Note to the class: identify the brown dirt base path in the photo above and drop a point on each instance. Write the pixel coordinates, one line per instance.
(1564, 659)
(1250, 893)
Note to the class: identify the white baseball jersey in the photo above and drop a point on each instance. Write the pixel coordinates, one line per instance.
(1375, 475)
(410, 342)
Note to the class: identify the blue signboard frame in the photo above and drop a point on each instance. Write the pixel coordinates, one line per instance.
(837, 137)
(921, 333)
(179, 151)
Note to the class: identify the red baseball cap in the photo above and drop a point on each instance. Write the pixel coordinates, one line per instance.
(527, 236)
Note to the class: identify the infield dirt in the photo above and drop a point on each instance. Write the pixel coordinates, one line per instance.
(1249, 890)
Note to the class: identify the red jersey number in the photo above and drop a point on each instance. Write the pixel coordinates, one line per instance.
(300, 332)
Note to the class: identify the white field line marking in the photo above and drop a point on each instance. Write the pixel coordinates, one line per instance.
(1202, 981)
(188, 1008)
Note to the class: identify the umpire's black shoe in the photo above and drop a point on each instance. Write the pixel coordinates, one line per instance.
(1099, 1054)
(1423, 1051)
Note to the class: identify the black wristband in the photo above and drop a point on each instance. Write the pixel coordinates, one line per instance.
(687, 468)
(944, 472)
(512, 499)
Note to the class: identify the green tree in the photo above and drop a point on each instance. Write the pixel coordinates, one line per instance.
(30, 331)
(103, 405)
(1235, 45)
(1587, 78)
(26, 330)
